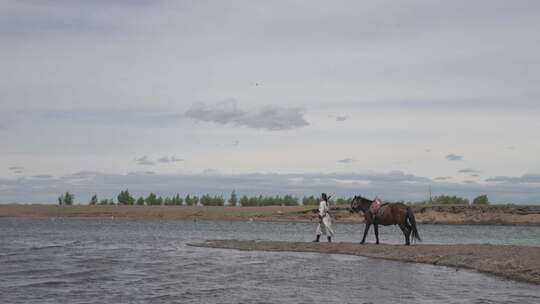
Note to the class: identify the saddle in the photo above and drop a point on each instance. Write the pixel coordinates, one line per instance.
(377, 208)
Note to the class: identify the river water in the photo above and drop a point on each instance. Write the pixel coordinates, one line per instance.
(148, 261)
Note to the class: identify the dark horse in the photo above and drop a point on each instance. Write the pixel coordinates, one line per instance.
(392, 214)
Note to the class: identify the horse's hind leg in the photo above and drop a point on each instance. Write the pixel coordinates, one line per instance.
(376, 227)
(407, 233)
(365, 233)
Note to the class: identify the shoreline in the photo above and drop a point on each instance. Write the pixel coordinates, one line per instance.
(449, 215)
(519, 263)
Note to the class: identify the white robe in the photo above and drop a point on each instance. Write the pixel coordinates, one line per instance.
(325, 225)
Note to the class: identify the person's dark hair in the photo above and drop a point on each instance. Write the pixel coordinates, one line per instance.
(324, 197)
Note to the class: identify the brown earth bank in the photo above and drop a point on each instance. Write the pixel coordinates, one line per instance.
(519, 263)
(425, 214)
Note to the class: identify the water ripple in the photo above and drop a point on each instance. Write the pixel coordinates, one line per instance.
(123, 261)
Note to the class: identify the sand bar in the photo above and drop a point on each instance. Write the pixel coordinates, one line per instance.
(521, 263)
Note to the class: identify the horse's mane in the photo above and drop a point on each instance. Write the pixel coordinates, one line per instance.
(363, 198)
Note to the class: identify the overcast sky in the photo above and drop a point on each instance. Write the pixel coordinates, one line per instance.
(383, 98)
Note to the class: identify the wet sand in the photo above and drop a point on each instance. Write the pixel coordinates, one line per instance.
(500, 215)
(519, 263)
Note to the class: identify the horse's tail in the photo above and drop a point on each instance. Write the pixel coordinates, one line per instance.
(412, 222)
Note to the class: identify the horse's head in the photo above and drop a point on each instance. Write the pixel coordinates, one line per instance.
(355, 204)
(359, 203)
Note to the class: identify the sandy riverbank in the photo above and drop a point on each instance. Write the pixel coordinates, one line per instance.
(514, 262)
(509, 215)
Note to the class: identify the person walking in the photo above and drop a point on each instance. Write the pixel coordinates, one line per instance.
(325, 220)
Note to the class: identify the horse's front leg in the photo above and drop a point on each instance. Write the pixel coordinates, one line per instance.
(365, 233)
(376, 227)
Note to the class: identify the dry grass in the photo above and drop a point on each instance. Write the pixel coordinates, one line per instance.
(515, 215)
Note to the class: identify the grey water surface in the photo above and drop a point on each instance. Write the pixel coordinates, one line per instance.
(148, 261)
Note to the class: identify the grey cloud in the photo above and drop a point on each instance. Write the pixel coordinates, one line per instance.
(172, 159)
(391, 185)
(210, 171)
(86, 183)
(142, 173)
(468, 170)
(234, 143)
(403, 162)
(389, 177)
(475, 175)
(454, 157)
(526, 178)
(43, 176)
(16, 169)
(37, 19)
(346, 161)
(81, 177)
(339, 117)
(145, 161)
(441, 178)
(270, 118)
(84, 174)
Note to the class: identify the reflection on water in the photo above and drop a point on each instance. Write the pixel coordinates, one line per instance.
(147, 261)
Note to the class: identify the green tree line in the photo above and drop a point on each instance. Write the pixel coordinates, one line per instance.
(125, 198)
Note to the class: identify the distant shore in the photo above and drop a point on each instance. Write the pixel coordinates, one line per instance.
(425, 214)
(519, 263)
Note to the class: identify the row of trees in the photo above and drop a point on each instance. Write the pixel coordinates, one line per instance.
(260, 200)
(125, 198)
(314, 201)
(456, 200)
(66, 199)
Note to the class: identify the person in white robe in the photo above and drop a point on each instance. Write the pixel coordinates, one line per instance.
(325, 220)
